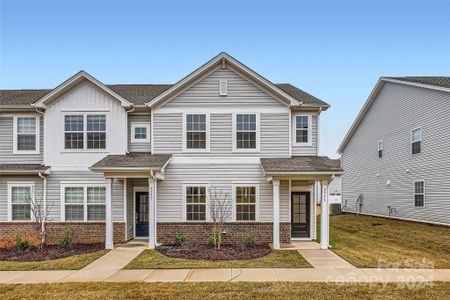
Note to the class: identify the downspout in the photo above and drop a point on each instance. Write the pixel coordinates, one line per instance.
(155, 205)
(129, 111)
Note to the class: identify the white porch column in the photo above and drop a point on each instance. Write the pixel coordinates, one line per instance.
(276, 214)
(324, 217)
(109, 243)
(152, 214)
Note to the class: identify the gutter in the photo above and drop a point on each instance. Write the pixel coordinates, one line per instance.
(44, 194)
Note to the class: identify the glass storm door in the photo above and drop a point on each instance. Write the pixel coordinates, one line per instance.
(142, 214)
(300, 214)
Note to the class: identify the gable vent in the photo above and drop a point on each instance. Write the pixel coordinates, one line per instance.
(223, 88)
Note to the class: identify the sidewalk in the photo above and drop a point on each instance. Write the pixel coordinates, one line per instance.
(327, 267)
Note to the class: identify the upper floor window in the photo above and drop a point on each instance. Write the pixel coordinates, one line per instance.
(20, 196)
(419, 193)
(196, 136)
(380, 149)
(245, 197)
(302, 127)
(246, 132)
(84, 202)
(140, 132)
(85, 131)
(26, 135)
(195, 200)
(416, 139)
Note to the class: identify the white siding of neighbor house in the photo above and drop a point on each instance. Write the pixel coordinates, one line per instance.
(397, 110)
(84, 97)
(6, 142)
(138, 147)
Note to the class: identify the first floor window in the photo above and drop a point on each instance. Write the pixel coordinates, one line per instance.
(419, 193)
(416, 139)
(26, 130)
(245, 203)
(85, 203)
(195, 203)
(21, 199)
(246, 131)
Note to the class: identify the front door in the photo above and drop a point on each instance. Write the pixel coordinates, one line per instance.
(142, 214)
(300, 214)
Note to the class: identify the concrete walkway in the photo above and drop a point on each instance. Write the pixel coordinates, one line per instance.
(327, 267)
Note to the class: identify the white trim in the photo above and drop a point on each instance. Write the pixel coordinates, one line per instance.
(215, 160)
(310, 190)
(414, 193)
(258, 133)
(151, 133)
(224, 91)
(37, 133)
(10, 185)
(234, 204)
(135, 190)
(294, 131)
(84, 185)
(423, 85)
(125, 206)
(208, 134)
(185, 184)
(290, 134)
(134, 125)
(226, 108)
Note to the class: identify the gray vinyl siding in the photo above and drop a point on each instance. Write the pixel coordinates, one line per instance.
(138, 147)
(307, 150)
(6, 144)
(220, 177)
(396, 111)
(4, 191)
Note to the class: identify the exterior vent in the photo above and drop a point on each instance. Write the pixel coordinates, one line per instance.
(223, 88)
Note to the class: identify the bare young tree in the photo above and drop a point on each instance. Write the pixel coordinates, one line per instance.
(220, 212)
(39, 216)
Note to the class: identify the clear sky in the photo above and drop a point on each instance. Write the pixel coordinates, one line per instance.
(333, 50)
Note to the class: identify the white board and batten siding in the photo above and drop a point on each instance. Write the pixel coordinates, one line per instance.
(397, 110)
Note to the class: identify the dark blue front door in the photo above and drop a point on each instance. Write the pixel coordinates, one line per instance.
(142, 214)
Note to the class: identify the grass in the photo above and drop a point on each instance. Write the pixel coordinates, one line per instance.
(75, 262)
(365, 241)
(152, 259)
(220, 290)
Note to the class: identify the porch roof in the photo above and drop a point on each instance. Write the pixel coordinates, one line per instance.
(23, 168)
(132, 162)
(301, 165)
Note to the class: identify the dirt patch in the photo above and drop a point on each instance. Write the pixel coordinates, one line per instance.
(48, 253)
(209, 253)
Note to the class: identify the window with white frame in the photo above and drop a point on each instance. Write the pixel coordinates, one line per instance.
(26, 135)
(380, 149)
(20, 197)
(246, 131)
(85, 131)
(196, 131)
(419, 193)
(302, 129)
(195, 198)
(140, 132)
(245, 197)
(84, 202)
(416, 139)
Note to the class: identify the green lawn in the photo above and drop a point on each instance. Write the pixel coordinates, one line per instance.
(221, 290)
(364, 240)
(75, 262)
(152, 259)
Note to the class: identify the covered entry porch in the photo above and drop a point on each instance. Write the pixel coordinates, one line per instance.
(299, 184)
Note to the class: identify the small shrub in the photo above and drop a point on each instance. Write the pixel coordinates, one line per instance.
(213, 239)
(22, 243)
(67, 239)
(179, 239)
(248, 239)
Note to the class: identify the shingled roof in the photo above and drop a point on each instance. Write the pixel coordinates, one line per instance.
(301, 164)
(440, 81)
(138, 94)
(22, 168)
(132, 161)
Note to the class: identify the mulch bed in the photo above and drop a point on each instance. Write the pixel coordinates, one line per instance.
(227, 252)
(49, 252)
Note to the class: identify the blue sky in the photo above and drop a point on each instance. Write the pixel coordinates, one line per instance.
(333, 50)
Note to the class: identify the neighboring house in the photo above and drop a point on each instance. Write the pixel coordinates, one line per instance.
(126, 161)
(396, 155)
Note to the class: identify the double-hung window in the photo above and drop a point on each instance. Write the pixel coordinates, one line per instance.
(85, 131)
(21, 197)
(140, 132)
(419, 193)
(380, 149)
(26, 135)
(302, 130)
(245, 197)
(84, 202)
(416, 140)
(196, 132)
(246, 132)
(195, 199)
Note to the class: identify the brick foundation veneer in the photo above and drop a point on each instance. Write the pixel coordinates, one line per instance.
(84, 232)
(198, 232)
